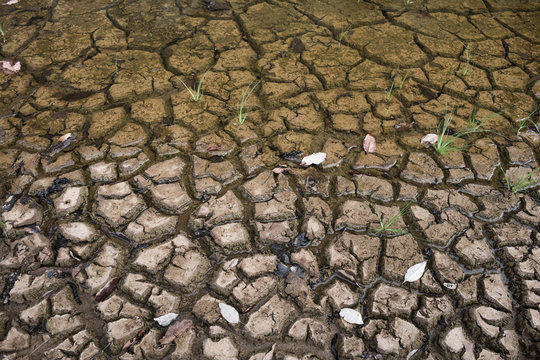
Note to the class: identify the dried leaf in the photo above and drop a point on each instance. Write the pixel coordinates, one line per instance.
(107, 289)
(229, 313)
(314, 159)
(176, 329)
(279, 169)
(230, 264)
(351, 316)
(405, 126)
(166, 319)
(429, 139)
(213, 148)
(133, 341)
(270, 355)
(450, 286)
(10, 67)
(415, 272)
(11, 2)
(411, 354)
(43, 255)
(369, 144)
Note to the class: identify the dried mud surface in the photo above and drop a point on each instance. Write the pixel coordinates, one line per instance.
(176, 205)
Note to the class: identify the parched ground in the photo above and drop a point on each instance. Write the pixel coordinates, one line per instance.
(157, 204)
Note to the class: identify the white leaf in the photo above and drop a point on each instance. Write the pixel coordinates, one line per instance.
(229, 313)
(270, 355)
(351, 316)
(450, 286)
(10, 67)
(429, 139)
(369, 144)
(166, 319)
(314, 159)
(230, 264)
(415, 272)
(410, 355)
(11, 2)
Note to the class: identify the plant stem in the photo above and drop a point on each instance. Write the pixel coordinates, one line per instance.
(241, 116)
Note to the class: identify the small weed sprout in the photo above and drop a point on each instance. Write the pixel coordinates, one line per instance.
(196, 93)
(2, 33)
(404, 78)
(521, 183)
(468, 59)
(343, 32)
(388, 92)
(245, 95)
(475, 124)
(386, 226)
(407, 3)
(524, 122)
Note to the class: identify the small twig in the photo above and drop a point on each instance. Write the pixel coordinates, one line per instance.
(101, 351)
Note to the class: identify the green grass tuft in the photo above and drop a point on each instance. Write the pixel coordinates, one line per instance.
(245, 95)
(386, 226)
(524, 122)
(196, 93)
(522, 182)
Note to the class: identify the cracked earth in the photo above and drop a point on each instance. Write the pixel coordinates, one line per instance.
(178, 207)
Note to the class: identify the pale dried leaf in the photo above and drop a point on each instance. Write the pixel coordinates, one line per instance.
(280, 169)
(411, 354)
(166, 319)
(351, 316)
(429, 139)
(314, 159)
(230, 264)
(176, 329)
(415, 272)
(270, 355)
(229, 313)
(369, 144)
(10, 67)
(450, 286)
(11, 2)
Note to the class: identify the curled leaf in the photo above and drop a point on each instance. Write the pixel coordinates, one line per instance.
(176, 329)
(133, 341)
(213, 148)
(107, 289)
(415, 272)
(10, 67)
(351, 316)
(314, 159)
(166, 319)
(429, 139)
(270, 355)
(229, 313)
(369, 144)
